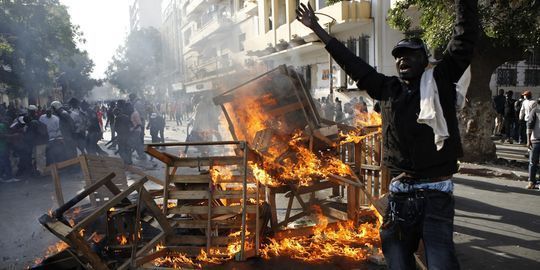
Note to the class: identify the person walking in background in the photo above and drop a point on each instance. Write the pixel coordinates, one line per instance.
(66, 127)
(40, 138)
(6, 171)
(509, 117)
(110, 122)
(527, 106)
(498, 106)
(80, 124)
(55, 146)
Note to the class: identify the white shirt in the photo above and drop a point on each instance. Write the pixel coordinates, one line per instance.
(526, 108)
(53, 126)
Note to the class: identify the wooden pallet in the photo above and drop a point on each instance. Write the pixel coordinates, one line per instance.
(207, 206)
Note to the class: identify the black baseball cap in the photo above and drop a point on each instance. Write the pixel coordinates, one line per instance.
(410, 43)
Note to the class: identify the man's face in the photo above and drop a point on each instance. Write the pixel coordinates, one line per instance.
(410, 63)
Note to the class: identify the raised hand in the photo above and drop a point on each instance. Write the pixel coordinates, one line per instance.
(306, 15)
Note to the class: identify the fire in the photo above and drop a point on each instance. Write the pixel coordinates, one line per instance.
(221, 174)
(52, 250)
(365, 119)
(345, 239)
(356, 136)
(122, 240)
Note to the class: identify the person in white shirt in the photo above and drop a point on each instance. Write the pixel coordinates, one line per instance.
(55, 147)
(527, 106)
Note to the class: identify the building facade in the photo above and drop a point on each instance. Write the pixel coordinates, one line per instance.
(144, 13)
(171, 40)
(214, 35)
(519, 76)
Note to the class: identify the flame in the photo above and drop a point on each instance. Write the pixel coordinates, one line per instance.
(364, 119)
(221, 174)
(122, 240)
(345, 239)
(52, 250)
(356, 136)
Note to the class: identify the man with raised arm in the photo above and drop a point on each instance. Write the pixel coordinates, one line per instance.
(420, 136)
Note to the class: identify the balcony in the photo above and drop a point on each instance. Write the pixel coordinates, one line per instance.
(208, 26)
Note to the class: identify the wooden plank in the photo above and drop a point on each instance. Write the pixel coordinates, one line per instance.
(370, 167)
(314, 187)
(140, 172)
(285, 109)
(111, 203)
(67, 163)
(57, 184)
(203, 224)
(207, 161)
(166, 189)
(157, 154)
(192, 179)
(191, 251)
(199, 240)
(158, 215)
(83, 248)
(203, 194)
(216, 210)
(273, 206)
(334, 213)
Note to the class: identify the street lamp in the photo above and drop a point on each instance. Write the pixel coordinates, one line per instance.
(330, 60)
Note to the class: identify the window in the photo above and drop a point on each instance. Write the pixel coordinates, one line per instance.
(532, 77)
(506, 77)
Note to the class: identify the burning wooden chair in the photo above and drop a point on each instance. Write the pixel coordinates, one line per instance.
(270, 112)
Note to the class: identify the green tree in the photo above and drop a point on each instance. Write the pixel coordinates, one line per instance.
(509, 29)
(136, 66)
(36, 37)
(74, 78)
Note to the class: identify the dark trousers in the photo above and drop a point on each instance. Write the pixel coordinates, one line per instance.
(509, 123)
(123, 148)
(5, 165)
(534, 157)
(162, 134)
(56, 151)
(422, 215)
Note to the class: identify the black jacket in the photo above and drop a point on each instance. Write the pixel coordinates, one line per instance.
(409, 146)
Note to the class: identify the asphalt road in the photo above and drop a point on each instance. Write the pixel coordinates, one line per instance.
(497, 223)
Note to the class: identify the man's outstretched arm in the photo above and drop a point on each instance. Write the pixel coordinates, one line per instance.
(361, 72)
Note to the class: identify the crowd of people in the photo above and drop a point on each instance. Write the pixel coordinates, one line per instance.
(335, 110)
(31, 138)
(512, 115)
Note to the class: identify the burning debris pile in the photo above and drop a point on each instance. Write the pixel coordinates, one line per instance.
(217, 208)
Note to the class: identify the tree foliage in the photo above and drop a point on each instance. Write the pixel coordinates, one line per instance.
(38, 43)
(504, 23)
(136, 66)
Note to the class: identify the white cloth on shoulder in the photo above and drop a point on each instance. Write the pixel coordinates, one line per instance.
(431, 112)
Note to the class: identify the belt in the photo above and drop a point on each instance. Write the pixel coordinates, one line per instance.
(406, 176)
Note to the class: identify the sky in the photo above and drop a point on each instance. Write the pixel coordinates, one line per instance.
(105, 24)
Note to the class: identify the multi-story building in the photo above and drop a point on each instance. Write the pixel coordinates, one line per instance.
(144, 13)
(519, 76)
(214, 34)
(171, 40)
(359, 24)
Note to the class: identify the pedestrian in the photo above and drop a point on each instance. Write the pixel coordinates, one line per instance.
(23, 145)
(94, 133)
(136, 128)
(66, 128)
(110, 122)
(55, 146)
(422, 157)
(521, 126)
(40, 138)
(6, 171)
(122, 126)
(527, 106)
(498, 106)
(533, 143)
(156, 124)
(509, 117)
(80, 124)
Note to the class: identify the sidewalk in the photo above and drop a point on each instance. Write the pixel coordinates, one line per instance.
(497, 221)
